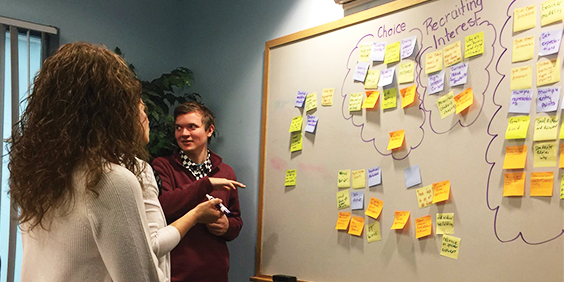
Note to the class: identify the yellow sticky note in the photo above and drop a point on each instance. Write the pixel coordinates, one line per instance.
(392, 53)
(400, 219)
(464, 100)
(515, 157)
(296, 124)
(445, 223)
(524, 18)
(371, 99)
(290, 179)
(407, 95)
(355, 102)
(357, 224)
(358, 178)
(434, 61)
(344, 178)
(561, 135)
(406, 72)
(424, 196)
(517, 127)
(523, 48)
(373, 232)
(423, 226)
(546, 128)
(474, 44)
(396, 139)
(450, 246)
(296, 143)
(446, 105)
(453, 54)
(544, 154)
(548, 71)
(514, 184)
(343, 221)
(562, 187)
(343, 199)
(327, 96)
(441, 191)
(521, 78)
(311, 101)
(364, 55)
(561, 162)
(542, 184)
(372, 78)
(390, 98)
(374, 208)
(551, 11)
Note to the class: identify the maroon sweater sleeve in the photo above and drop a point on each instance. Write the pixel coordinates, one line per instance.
(235, 221)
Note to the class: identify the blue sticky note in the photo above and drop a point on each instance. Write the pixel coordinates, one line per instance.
(357, 200)
(521, 101)
(547, 99)
(360, 71)
(374, 176)
(311, 123)
(458, 74)
(300, 99)
(412, 176)
(436, 82)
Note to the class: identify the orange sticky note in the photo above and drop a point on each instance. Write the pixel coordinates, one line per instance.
(423, 226)
(542, 183)
(515, 157)
(374, 208)
(343, 220)
(400, 219)
(561, 165)
(441, 191)
(514, 184)
(464, 100)
(357, 224)
(396, 139)
(407, 95)
(371, 99)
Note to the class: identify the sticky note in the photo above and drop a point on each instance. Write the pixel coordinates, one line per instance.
(359, 178)
(372, 79)
(407, 46)
(445, 223)
(392, 53)
(514, 184)
(474, 44)
(390, 98)
(424, 196)
(521, 78)
(355, 102)
(300, 98)
(464, 100)
(441, 191)
(458, 74)
(364, 53)
(378, 51)
(561, 161)
(551, 11)
(371, 99)
(356, 226)
(400, 219)
(343, 200)
(357, 200)
(450, 246)
(546, 128)
(521, 101)
(360, 71)
(548, 71)
(436, 82)
(327, 96)
(396, 139)
(423, 226)
(453, 54)
(296, 142)
(562, 187)
(406, 72)
(517, 127)
(373, 232)
(386, 77)
(343, 221)
(374, 208)
(311, 124)
(561, 135)
(344, 178)
(412, 176)
(544, 154)
(515, 157)
(523, 48)
(446, 105)
(296, 124)
(374, 176)
(407, 96)
(311, 101)
(290, 179)
(434, 62)
(542, 184)
(550, 42)
(524, 18)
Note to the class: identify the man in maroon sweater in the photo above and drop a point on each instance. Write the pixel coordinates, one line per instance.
(187, 176)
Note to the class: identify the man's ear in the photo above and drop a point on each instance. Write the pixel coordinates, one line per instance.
(210, 130)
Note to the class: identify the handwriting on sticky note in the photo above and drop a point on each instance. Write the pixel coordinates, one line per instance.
(546, 128)
(523, 48)
(343, 220)
(515, 157)
(311, 123)
(474, 44)
(378, 51)
(357, 200)
(450, 246)
(396, 139)
(458, 74)
(296, 143)
(406, 72)
(290, 179)
(374, 176)
(434, 61)
(300, 98)
(464, 100)
(374, 208)
(521, 101)
(392, 53)
(524, 18)
(356, 226)
(343, 200)
(551, 11)
(441, 191)
(327, 96)
(542, 184)
(424, 196)
(446, 105)
(514, 184)
(544, 154)
(386, 77)
(407, 46)
(373, 232)
(445, 223)
(355, 102)
(390, 98)
(372, 79)
(311, 101)
(436, 82)
(400, 219)
(344, 178)
(453, 54)
(371, 99)
(521, 78)
(517, 127)
(358, 178)
(407, 95)
(548, 71)
(296, 124)
(550, 42)
(364, 54)
(423, 226)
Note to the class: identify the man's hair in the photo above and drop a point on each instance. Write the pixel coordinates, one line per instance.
(189, 107)
(83, 112)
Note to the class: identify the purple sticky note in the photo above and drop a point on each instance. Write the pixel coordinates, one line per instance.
(436, 82)
(360, 71)
(374, 176)
(386, 77)
(547, 99)
(550, 42)
(521, 101)
(458, 74)
(378, 51)
(357, 200)
(407, 46)
(412, 176)
(300, 99)
(311, 123)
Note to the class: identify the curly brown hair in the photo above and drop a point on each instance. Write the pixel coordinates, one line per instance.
(83, 111)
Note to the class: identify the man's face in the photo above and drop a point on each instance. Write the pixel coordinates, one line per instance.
(191, 134)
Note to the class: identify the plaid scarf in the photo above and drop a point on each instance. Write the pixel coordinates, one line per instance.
(198, 170)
